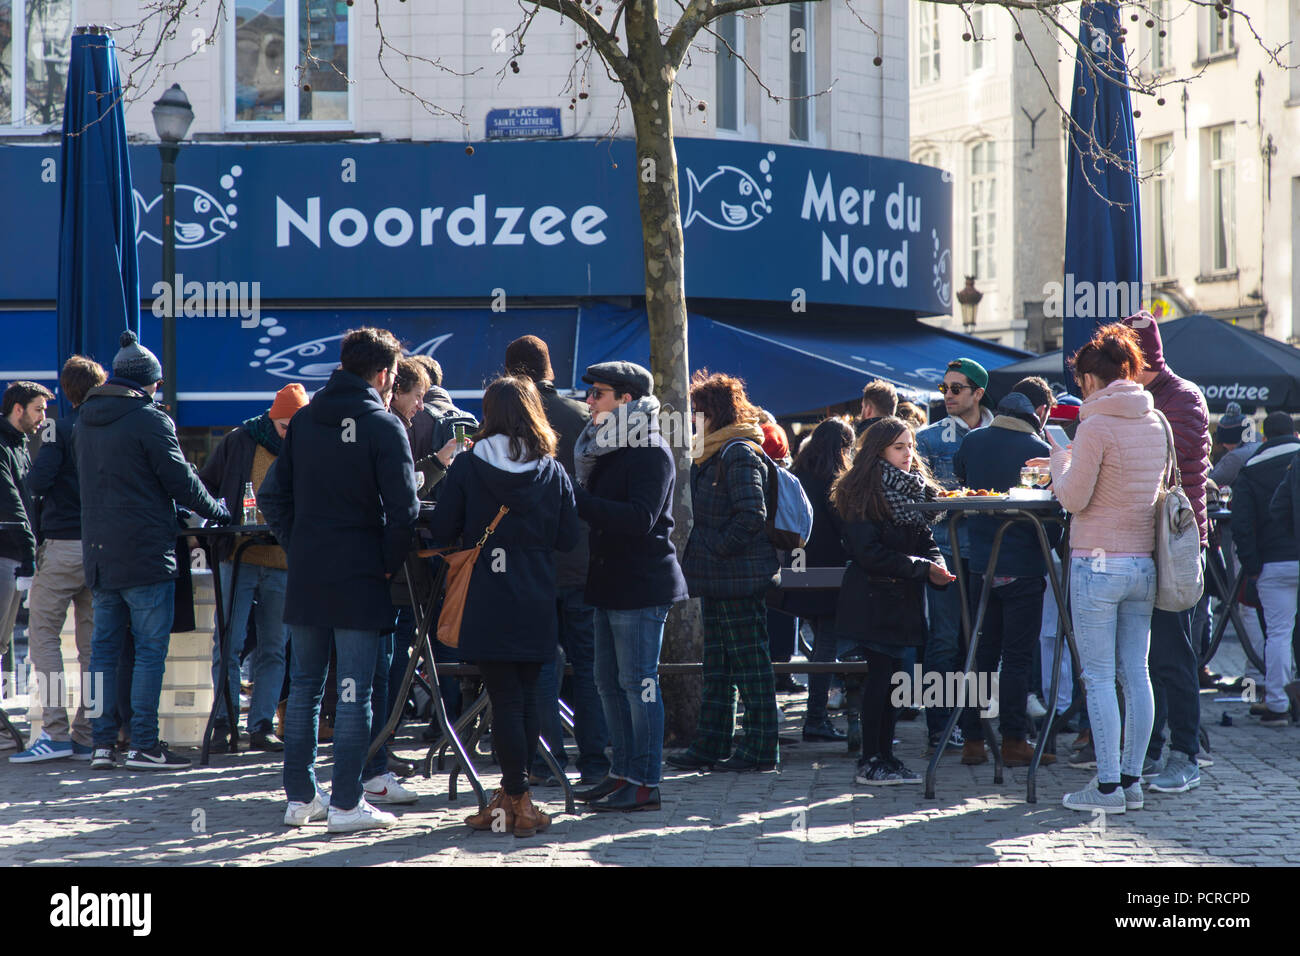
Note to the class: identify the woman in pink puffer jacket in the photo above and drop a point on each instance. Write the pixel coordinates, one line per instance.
(1108, 480)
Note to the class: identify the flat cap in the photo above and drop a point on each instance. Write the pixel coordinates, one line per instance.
(624, 376)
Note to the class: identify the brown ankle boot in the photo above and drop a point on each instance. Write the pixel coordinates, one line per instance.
(528, 819)
(973, 753)
(1018, 753)
(498, 816)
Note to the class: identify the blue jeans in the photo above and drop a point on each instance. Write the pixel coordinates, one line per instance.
(363, 656)
(578, 638)
(1175, 678)
(943, 642)
(627, 676)
(1110, 602)
(267, 585)
(147, 610)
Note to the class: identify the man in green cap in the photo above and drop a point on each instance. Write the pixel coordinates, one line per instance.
(963, 390)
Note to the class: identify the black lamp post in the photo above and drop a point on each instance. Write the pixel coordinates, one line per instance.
(969, 299)
(172, 117)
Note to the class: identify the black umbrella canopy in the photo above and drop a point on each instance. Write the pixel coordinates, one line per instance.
(1228, 363)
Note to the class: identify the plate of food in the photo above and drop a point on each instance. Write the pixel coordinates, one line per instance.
(971, 493)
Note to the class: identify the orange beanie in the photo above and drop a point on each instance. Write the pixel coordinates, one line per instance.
(288, 401)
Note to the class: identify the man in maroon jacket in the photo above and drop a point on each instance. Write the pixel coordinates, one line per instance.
(1173, 659)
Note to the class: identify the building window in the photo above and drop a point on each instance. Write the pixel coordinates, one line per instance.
(1220, 29)
(801, 64)
(1162, 195)
(311, 89)
(983, 217)
(979, 52)
(1161, 46)
(927, 44)
(731, 73)
(35, 46)
(927, 157)
(1223, 199)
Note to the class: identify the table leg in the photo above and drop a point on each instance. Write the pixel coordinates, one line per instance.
(223, 636)
(1063, 627)
(972, 643)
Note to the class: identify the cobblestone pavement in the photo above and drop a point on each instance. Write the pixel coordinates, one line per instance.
(810, 813)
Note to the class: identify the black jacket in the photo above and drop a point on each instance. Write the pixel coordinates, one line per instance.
(341, 500)
(53, 479)
(629, 506)
(991, 458)
(510, 608)
(227, 470)
(568, 417)
(1259, 539)
(18, 543)
(132, 476)
(1284, 509)
(882, 599)
(824, 550)
(728, 554)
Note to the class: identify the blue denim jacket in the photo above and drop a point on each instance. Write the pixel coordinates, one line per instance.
(937, 443)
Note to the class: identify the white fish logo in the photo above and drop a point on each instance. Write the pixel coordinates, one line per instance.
(729, 198)
(296, 361)
(201, 218)
(942, 267)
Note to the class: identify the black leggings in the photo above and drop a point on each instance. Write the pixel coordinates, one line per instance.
(512, 689)
(878, 713)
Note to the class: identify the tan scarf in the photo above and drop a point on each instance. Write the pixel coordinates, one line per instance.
(715, 439)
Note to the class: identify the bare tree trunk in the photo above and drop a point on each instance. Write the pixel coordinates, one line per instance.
(665, 292)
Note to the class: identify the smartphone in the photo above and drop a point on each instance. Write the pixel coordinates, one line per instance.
(1058, 435)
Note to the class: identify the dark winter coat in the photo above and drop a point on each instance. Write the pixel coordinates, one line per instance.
(628, 505)
(341, 499)
(510, 608)
(18, 543)
(991, 458)
(53, 479)
(1284, 509)
(728, 554)
(568, 417)
(1259, 539)
(227, 470)
(1189, 417)
(132, 476)
(882, 600)
(824, 550)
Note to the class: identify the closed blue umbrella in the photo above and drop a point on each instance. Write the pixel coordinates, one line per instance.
(99, 275)
(1103, 232)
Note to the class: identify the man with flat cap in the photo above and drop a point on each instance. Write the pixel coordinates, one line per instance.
(624, 491)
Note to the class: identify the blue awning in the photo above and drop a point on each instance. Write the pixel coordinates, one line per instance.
(228, 373)
(801, 365)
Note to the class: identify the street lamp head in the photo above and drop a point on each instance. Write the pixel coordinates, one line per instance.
(172, 115)
(969, 298)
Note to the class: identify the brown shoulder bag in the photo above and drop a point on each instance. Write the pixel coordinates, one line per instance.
(460, 565)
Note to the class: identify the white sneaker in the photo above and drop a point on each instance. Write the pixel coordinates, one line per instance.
(361, 817)
(301, 814)
(388, 789)
(1034, 707)
(1090, 799)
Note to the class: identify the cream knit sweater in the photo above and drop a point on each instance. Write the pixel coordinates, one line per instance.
(1109, 477)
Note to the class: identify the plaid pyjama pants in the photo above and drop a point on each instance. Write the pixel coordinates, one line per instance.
(736, 656)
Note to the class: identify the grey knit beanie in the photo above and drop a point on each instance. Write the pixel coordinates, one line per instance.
(135, 362)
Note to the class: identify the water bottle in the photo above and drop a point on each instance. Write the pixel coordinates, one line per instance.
(250, 504)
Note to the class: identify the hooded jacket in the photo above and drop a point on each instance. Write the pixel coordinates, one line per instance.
(53, 479)
(341, 499)
(510, 608)
(1183, 404)
(1108, 478)
(1259, 539)
(132, 476)
(992, 458)
(17, 543)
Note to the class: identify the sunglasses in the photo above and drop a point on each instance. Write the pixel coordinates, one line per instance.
(596, 391)
(955, 389)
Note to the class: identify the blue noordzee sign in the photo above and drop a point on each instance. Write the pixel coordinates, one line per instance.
(522, 121)
(411, 220)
